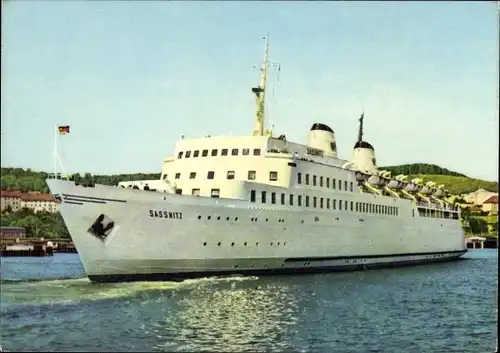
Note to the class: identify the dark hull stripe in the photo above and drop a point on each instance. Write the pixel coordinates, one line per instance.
(82, 200)
(73, 202)
(311, 259)
(180, 276)
(88, 198)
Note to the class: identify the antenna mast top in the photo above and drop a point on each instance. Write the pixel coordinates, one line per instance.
(360, 132)
(260, 93)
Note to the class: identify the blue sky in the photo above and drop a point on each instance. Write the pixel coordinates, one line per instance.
(131, 77)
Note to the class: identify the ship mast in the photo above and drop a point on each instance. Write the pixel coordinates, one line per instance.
(360, 132)
(260, 94)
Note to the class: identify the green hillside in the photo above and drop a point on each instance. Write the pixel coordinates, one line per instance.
(457, 183)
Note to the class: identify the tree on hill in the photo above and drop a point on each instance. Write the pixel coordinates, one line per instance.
(420, 168)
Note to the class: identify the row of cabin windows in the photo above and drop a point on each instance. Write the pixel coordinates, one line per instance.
(215, 152)
(273, 176)
(327, 203)
(325, 182)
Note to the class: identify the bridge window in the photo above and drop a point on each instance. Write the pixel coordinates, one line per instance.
(177, 175)
(299, 178)
(315, 201)
(291, 199)
(195, 192)
(251, 174)
(263, 196)
(179, 156)
(273, 198)
(307, 179)
(273, 176)
(234, 152)
(307, 201)
(230, 174)
(204, 153)
(282, 199)
(188, 154)
(245, 151)
(192, 175)
(214, 153)
(215, 193)
(210, 175)
(256, 151)
(196, 153)
(252, 195)
(314, 180)
(299, 200)
(223, 152)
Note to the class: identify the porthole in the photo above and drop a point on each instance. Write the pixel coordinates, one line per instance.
(271, 244)
(257, 243)
(205, 244)
(218, 217)
(267, 219)
(232, 244)
(227, 218)
(302, 221)
(209, 217)
(284, 243)
(235, 266)
(278, 243)
(218, 244)
(245, 243)
(199, 217)
(236, 219)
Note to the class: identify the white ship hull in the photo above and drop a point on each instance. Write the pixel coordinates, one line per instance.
(171, 237)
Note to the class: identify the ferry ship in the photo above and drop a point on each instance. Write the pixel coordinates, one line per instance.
(259, 204)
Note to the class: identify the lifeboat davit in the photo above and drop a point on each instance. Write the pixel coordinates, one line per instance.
(395, 184)
(360, 177)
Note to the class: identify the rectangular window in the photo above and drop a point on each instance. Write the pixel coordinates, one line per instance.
(314, 180)
(340, 205)
(328, 183)
(320, 181)
(357, 206)
(352, 186)
(273, 198)
(195, 192)
(223, 152)
(192, 175)
(352, 206)
(178, 191)
(204, 153)
(210, 175)
(307, 201)
(179, 156)
(234, 152)
(334, 204)
(256, 151)
(252, 195)
(315, 202)
(245, 151)
(196, 154)
(273, 176)
(214, 153)
(321, 203)
(299, 200)
(215, 193)
(345, 185)
(251, 174)
(299, 178)
(307, 179)
(263, 196)
(345, 205)
(328, 203)
(188, 154)
(291, 199)
(334, 182)
(177, 175)
(282, 199)
(230, 174)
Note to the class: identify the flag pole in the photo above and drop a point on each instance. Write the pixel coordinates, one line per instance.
(54, 153)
